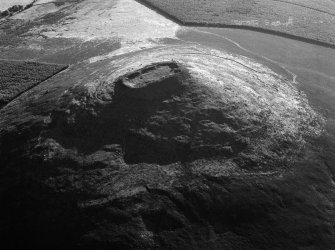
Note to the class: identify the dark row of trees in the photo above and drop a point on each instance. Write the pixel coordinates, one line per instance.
(14, 9)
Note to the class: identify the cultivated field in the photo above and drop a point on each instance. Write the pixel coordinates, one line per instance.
(17, 77)
(308, 19)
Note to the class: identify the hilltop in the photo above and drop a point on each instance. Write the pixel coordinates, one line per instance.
(122, 129)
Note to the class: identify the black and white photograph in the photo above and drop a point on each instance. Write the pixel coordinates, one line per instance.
(167, 124)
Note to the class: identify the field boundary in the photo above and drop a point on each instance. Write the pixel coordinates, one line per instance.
(232, 26)
(304, 6)
(62, 68)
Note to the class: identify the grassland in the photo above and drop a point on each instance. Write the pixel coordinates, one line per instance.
(17, 77)
(308, 19)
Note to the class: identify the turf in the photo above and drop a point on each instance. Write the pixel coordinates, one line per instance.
(309, 19)
(17, 77)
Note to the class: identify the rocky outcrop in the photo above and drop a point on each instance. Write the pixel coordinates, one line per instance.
(165, 155)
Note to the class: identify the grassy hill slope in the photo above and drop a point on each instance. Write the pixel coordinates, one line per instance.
(307, 19)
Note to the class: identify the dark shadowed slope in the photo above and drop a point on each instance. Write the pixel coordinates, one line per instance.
(196, 153)
(150, 143)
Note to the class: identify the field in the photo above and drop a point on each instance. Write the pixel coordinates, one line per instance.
(17, 77)
(309, 19)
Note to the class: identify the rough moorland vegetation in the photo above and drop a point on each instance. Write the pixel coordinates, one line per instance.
(16, 77)
(202, 152)
(149, 141)
(307, 19)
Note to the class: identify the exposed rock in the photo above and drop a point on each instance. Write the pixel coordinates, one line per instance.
(148, 141)
(163, 156)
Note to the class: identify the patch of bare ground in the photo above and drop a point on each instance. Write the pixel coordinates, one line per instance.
(72, 32)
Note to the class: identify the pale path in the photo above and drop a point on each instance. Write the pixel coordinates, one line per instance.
(294, 76)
